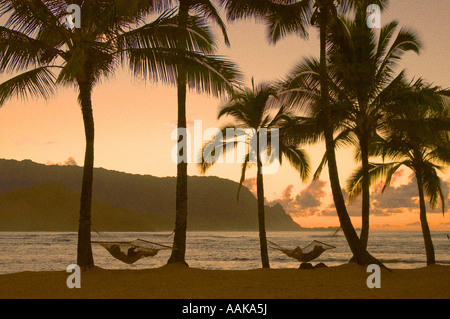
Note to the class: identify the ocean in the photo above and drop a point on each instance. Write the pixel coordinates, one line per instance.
(54, 251)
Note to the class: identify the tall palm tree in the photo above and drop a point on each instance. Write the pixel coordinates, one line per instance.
(416, 134)
(256, 109)
(46, 53)
(361, 72)
(294, 16)
(202, 9)
(367, 70)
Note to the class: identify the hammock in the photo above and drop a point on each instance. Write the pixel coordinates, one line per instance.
(305, 254)
(132, 251)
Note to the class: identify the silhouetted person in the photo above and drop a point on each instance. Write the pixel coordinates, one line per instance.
(132, 251)
(114, 249)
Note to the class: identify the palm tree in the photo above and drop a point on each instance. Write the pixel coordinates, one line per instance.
(206, 10)
(416, 135)
(361, 72)
(256, 109)
(36, 43)
(293, 16)
(367, 71)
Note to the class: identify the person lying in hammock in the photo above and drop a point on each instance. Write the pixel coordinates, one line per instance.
(298, 253)
(131, 252)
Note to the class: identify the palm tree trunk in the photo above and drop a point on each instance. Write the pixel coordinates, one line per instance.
(84, 253)
(261, 213)
(179, 241)
(429, 248)
(365, 192)
(356, 247)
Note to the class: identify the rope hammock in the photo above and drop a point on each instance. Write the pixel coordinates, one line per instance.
(305, 254)
(130, 252)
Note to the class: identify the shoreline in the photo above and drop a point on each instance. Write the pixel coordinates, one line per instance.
(346, 281)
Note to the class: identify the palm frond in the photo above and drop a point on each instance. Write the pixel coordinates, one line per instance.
(377, 171)
(209, 11)
(432, 185)
(284, 19)
(320, 168)
(440, 154)
(406, 40)
(298, 158)
(18, 51)
(206, 73)
(225, 140)
(165, 32)
(243, 171)
(39, 82)
(29, 17)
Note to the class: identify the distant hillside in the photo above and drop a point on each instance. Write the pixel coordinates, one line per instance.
(54, 207)
(38, 193)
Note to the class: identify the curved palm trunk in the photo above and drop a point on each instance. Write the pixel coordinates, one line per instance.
(179, 241)
(84, 252)
(359, 253)
(429, 248)
(261, 213)
(364, 237)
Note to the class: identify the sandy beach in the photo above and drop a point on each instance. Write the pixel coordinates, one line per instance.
(178, 282)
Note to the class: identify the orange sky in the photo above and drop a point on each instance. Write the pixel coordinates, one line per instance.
(134, 119)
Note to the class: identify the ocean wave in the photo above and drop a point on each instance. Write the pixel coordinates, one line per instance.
(227, 237)
(241, 259)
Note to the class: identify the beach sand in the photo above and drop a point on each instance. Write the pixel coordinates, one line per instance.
(178, 282)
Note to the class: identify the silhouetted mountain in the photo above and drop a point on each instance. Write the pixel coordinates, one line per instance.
(54, 207)
(124, 201)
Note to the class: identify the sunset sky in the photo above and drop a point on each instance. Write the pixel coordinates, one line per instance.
(134, 121)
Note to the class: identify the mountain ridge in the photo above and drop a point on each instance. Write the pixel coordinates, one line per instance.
(212, 200)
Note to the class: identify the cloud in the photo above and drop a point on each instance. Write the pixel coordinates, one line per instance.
(305, 203)
(404, 197)
(311, 196)
(394, 200)
(70, 161)
(250, 183)
(397, 175)
(354, 208)
(287, 192)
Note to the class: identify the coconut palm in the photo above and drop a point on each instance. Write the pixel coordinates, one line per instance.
(36, 43)
(361, 72)
(204, 10)
(284, 17)
(366, 69)
(255, 109)
(416, 134)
